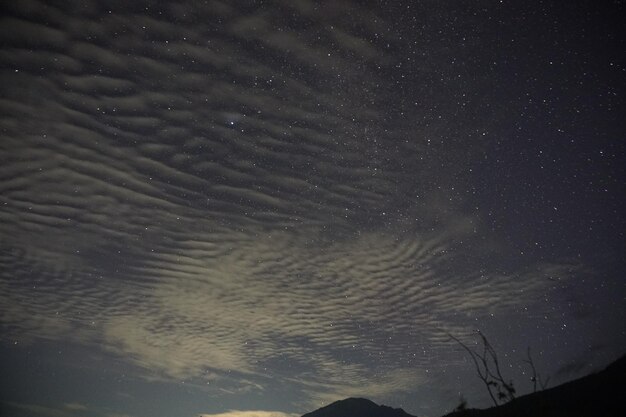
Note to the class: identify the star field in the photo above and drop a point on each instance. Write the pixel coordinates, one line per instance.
(254, 208)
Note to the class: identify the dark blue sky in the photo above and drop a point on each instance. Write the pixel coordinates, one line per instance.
(252, 209)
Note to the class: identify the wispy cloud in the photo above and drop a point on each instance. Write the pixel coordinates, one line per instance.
(75, 406)
(67, 410)
(250, 413)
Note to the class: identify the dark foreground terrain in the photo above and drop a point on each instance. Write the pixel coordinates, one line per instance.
(600, 394)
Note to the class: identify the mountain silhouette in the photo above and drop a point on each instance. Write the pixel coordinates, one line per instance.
(357, 407)
(600, 394)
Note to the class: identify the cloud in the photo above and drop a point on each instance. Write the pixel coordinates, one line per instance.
(207, 213)
(75, 407)
(580, 365)
(251, 413)
(375, 387)
(68, 410)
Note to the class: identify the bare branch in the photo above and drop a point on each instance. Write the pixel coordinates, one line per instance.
(483, 373)
(532, 367)
(536, 378)
(487, 367)
(488, 370)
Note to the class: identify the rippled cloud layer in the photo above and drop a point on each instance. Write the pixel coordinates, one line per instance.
(240, 197)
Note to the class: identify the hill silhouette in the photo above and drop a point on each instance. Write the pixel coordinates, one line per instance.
(357, 407)
(599, 394)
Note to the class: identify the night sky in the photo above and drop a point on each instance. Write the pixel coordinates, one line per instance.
(255, 208)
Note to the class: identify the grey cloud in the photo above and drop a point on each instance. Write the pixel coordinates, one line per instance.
(41, 61)
(249, 413)
(356, 44)
(579, 365)
(99, 85)
(25, 34)
(193, 246)
(43, 409)
(76, 406)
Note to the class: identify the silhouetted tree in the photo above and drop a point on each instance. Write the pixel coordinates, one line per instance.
(488, 369)
(536, 378)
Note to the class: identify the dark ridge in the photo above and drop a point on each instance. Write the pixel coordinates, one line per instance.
(600, 394)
